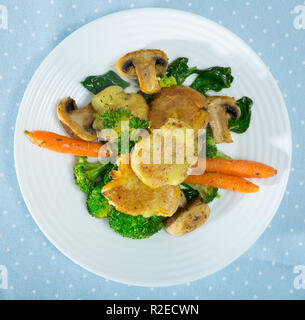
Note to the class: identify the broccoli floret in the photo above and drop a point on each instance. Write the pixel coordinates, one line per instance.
(86, 174)
(106, 178)
(211, 148)
(207, 194)
(134, 227)
(97, 204)
(91, 177)
(111, 119)
(167, 81)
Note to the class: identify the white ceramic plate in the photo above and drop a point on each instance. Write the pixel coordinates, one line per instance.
(46, 178)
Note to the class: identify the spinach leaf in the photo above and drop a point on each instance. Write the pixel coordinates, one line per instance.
(95, 84)
(215, 78)
(242, 124)
(180, 70)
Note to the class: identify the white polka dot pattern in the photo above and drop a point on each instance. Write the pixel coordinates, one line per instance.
(30, 35)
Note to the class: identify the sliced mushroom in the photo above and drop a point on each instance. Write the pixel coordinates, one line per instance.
(187, 219)
(220, 110)
(145, 65)
(77, 122)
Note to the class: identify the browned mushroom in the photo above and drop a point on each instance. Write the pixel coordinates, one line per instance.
(187, 219)
(145, 65)
(77, 122)
(220, 110)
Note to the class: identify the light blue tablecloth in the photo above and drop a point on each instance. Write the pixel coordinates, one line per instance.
(36, 269)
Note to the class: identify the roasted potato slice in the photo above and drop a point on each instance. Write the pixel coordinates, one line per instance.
(129, 195)
(114, 97)
(164, 157)
(187, 219)
(181, 103)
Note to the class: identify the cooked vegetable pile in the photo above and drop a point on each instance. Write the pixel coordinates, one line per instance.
(140, 198)
(112, 119)
(90, 178)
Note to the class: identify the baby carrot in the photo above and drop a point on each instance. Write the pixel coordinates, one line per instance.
(240, 168)
(222, 181)
(63, 144)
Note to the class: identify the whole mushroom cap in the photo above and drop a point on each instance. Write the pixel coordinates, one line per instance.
(145, 65)
(220, 110)
(77, 122)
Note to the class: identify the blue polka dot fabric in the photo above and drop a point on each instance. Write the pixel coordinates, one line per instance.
(32, 268)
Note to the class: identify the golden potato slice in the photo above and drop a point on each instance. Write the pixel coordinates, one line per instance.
(187, 219)
(164, 157)
(181, 103)
(129, 195)
(114, 97)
